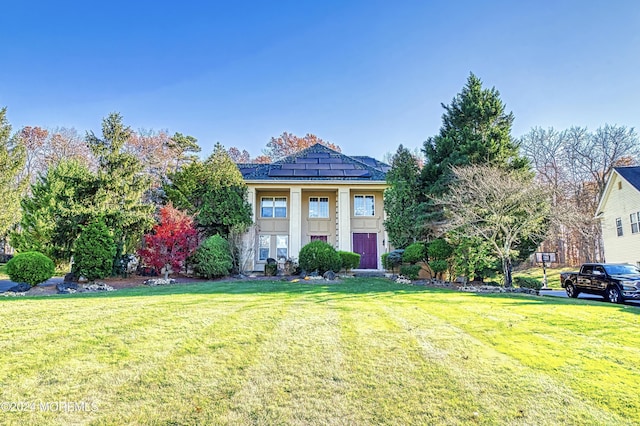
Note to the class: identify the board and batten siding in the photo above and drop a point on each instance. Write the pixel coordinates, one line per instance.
(621, 200)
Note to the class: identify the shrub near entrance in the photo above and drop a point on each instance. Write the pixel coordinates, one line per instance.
(320, 256)
(32, 268)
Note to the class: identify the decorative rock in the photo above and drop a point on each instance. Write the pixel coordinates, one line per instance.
(66, 287)
(329, 275)
(403, 280)
(20, 288)
(12, 294)
(159, 281)
(97, 286)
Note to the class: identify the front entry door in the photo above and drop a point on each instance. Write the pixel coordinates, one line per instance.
(367, 246)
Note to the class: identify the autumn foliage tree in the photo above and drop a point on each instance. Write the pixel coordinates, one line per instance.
(287, 144)
(171, 242)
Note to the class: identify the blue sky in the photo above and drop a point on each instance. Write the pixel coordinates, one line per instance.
(366, 75)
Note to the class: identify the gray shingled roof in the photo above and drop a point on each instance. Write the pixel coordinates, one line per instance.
(317, 163)
(631, 174)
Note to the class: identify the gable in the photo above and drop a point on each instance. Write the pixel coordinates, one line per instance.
(622, 178)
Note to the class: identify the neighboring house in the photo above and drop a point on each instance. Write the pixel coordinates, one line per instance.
(619, 214)
(317, 194)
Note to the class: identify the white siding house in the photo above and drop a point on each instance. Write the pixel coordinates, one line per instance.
(619, 215)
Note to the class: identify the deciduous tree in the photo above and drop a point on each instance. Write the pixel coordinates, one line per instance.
(287, 144)
(35, 142)
(238, 156)
(171, 242)
(503, 208)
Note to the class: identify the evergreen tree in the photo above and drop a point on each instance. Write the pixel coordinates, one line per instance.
(121, 185)
(94, 251)
(404, 200)
(12, 158)
(213, 191)
(60, 202)
(476, 129)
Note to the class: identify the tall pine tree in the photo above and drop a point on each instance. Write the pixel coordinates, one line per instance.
(476, 129)
(12, 158)
(404, 200)
(121, 186)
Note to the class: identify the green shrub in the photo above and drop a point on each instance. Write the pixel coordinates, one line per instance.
(94, 251)
(439, 249)
(414, 253)
(319, 256)
(213, 258)
(385, 261)
(270, 269)
(410, 271)
(350, 260)
(30, 267)
(438, 266)
(392, 259)
(528, 282)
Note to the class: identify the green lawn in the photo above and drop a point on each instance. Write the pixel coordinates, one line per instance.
(367, 351)
(3, 271)
(553, 274)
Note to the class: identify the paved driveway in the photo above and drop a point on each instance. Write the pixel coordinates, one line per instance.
(7, 284)
(562, 293)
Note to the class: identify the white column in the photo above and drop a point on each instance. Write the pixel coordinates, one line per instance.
(249, 239)
(344, 219)
(295, 221)
(251, 199)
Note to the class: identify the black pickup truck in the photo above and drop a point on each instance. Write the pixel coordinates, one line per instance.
(613, 281)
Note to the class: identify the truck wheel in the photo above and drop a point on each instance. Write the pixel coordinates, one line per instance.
(571, 290)
(613, 295)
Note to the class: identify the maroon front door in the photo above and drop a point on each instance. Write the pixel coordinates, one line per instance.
(367, 246)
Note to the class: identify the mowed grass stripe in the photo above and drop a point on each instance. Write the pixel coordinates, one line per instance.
(195, 382)
(365, 351)
(506, 391)
(149, 371)
(594, 342)
(299, 375)
(390, 382)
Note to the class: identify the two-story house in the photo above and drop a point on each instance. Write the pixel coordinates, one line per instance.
(317, 194)
(619, 214)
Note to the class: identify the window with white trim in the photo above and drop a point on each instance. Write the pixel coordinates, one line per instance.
(619, 226)
(364, 205)
(264, 247)
(318, 207)
(282, 247)
(273, 207)
(634, 222)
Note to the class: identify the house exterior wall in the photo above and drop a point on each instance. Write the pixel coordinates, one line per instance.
(299, 227)
(319, 226)
(621, 201)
